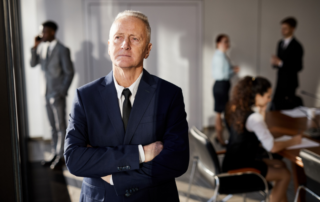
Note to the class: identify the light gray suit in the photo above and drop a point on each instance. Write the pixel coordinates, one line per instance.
(59, 71)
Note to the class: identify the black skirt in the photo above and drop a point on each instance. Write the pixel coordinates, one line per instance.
(221, 95)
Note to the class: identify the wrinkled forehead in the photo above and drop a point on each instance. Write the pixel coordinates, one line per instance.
(128, 25)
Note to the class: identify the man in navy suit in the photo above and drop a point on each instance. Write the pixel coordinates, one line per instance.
(127, 133)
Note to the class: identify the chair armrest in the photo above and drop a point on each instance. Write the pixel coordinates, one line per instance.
(244, 170)
(252, 171)
(221, 152)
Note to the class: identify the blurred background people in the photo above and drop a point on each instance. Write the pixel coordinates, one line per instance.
(222, 70)
(56, 64)
(245, 116)
(288, 62)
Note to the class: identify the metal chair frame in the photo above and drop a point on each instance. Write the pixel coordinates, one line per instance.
(306, 189)
(217, 181)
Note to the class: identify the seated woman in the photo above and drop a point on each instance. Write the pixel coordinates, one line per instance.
(245, 116)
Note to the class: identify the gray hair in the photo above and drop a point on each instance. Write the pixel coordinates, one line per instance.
(136, 14)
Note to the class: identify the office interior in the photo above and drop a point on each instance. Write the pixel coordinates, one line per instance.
(183, 38)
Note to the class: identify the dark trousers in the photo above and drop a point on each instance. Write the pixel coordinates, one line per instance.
(57, 118)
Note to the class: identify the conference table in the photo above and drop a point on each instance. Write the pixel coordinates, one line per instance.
(280, 124)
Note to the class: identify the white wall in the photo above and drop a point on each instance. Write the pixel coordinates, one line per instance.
(254, 30)
(253, 27)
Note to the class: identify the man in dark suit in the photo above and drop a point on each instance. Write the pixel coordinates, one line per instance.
(288, 62)
(127, 133)
(58, 71)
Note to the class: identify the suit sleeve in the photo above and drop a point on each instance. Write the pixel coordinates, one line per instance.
(173, 160)
(68, 70)
(278, 52)
(35, 58)
(93, 162)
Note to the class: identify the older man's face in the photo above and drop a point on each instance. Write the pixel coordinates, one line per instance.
(128, 43)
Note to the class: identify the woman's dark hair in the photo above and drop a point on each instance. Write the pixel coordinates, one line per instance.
(220, 37)
(291, 21)
(243, 98)
(51, 25)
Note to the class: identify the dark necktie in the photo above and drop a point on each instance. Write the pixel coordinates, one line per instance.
(48, 52)
(126, 107)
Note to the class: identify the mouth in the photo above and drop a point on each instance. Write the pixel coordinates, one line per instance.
(124, 55)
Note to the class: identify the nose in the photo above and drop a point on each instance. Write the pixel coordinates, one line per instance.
(125, 44)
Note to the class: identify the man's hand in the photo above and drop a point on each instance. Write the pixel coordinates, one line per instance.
(236, 69)
(275, 60)
(106, 178)
(152, 150)
(37, 41)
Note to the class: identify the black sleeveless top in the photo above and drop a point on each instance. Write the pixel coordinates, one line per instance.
(242, 150)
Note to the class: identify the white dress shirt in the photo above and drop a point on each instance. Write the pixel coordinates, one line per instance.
(255, 123)
(286, 42)
(133, 89)
(43, 47)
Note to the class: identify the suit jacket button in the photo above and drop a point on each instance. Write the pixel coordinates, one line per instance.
(118, 168)
(128, 167)
(130, 191)
(127, 194)
(136, 189)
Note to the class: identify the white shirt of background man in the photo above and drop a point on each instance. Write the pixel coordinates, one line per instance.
(43, 47)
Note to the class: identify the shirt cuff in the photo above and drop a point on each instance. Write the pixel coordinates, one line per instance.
(280, 64)
(142, 158)
(111, 181)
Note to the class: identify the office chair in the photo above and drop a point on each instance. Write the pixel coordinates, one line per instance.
(311, 165)
(238, 181)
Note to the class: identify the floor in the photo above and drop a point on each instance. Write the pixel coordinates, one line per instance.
(62, 186)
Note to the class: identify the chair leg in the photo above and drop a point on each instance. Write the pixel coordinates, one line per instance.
(193, 170)
(216, 190)
(227, 198)
(244, 197)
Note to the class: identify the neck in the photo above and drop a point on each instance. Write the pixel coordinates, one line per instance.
(126, 76)
(50, 40)
(222, 50)
(288, 37)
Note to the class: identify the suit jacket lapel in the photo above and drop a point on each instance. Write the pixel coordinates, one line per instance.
(110, 101)
(53, 53)
(144, 95)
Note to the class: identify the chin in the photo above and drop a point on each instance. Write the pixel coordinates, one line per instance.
(124, 65)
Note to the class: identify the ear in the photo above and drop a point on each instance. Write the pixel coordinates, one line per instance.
(149, 47)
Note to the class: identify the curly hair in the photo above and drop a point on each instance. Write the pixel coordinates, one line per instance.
(242, 100)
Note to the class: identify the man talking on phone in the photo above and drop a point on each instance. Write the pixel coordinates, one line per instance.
(127, 133)
(58, 71)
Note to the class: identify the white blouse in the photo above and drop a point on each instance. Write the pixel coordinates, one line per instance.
(256, 124)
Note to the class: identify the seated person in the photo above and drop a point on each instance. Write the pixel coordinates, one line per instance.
(245, 116)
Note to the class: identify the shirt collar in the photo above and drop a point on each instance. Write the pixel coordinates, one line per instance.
(53, 43)
(287, 40)
(133, 88)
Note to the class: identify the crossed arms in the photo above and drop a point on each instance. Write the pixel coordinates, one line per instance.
(99, 162)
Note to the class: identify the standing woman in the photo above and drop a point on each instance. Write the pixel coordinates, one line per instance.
(245, 116)
(222, 70)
